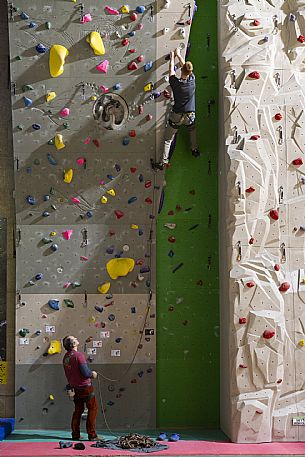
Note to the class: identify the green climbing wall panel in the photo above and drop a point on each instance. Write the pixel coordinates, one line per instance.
(188, 299)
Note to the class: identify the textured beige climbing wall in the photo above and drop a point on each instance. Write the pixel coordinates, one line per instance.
(84, 131)
(262, 55)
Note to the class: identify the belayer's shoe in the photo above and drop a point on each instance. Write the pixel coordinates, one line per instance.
(195, 152)
(95, 438)
(174, 437)
(157, 165)
(162, 437)
(79, 446)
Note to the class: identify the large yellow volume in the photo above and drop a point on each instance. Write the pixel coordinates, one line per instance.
(55, 347)
(58, 53)
(96, 43)
(119, 267)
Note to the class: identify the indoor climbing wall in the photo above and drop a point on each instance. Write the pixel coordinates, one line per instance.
(89, 97)
(263, 307)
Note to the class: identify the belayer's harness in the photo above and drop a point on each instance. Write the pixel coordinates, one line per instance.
(186, 119)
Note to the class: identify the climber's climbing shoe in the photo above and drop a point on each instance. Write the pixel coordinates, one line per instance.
(195, 152)
(162, 437)
(58, 53)
(157, 165)
(174, 437)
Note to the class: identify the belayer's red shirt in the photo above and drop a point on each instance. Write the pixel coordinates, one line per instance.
(76, 369)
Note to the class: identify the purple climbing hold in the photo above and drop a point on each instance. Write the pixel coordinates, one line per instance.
(292, 17)
(117, 167)
(89, 214)
(54, 304)
(32, 25)
(39, 276)
(141, 178)
(100, 309)
(155, 95)
(119, 254)
(140, 232)
(110, 403)
(109, 296)
(145, 269)
(110, 250)
(111, 317)
(31, 200)
(149, 370)
(132, 199)
(302, 227)
(45, 214)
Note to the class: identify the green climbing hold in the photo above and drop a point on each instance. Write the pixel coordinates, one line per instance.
(51, 142)
(20, 126)
(18, 58)
(27, 87)
(23, 332)
(75, 284)
(36, 162)
(65, 125)
(48, 25)
(69, 302)
(46, 240)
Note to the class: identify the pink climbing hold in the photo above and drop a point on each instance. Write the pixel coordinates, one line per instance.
(104, 89)
(87, 140)
(125, 42)
(112, 10)
(103, 66)
(82, 257)
(132, 66)
(140, 26)
(64, 112)
(67, 234)
(298, 161)
(147, 184)
(133, 16)
(254, 75)
(277, 267)
(268, 334)
(254, 137)
(274, 214)
(140, 109)
(278, 117)
(75, 200)
(284, 287)
(81, 161)
(148, 117)
(66, 285)
(140, 58)
(256, 23)
(250, 189)
(119, 214)
(250, 284)
(86, 18)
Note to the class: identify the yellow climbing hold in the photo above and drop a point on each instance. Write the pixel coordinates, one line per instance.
(103, 289)
(125, 9)
(50, 96)
(68, 175)
(93, 98)
(58, 53)
(148, 87)
(104, 199)
(134, 226)
(92, 319)
(111, 192)
(301, 343)
(96, 43)
(51, 397)
(53, 234)
(55, 347)
(119, 267)
(59, 141)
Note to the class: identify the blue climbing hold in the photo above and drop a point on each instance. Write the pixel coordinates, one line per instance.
(29, 170)
(111, 317)
(51, 160)
(27, 101)
(39, 276)
(140, 374)
(145, 269)
(132, 199)
(38, 332)
(54, 304)
(140, 9)
(132, 33)
(148, 65)
(41, 48)
(110, 177)
(89, 214)
(46, 198)
(118, 340)
(36, 126)
(140, 232)
(54, 247)
(45, 214)
(32, 25)
(31, 200)
(119, 254)
(155, 95)
(125, 141)
(24, 16)
(100, 309)
(110, 250)
(110, 403)
(141, 178)
(117, 86)
(171, 253)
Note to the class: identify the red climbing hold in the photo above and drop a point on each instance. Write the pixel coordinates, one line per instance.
(298, 161)
(250, 284)
(284, 287)
(133, 169)
(254, 75)
(167, 94)
(132, 133)
(278, 117)
(254, 137)
(171, 213)
(125, 42)
(268, 334)
(242, 320)
(274, 214)
(241, 365)
(132, 66)
(171, 239)
(301, 38)
(132, 51)
(251, 241)
(256, 22)
(96, 143)
(140, 58)
(133, 17)
(147, 184)
(279, 381)
(277, 267)
(148, 200)
(119, 214)
(250, 190)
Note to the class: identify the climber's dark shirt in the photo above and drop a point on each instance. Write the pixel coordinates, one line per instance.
(76, 369)
(184, 93)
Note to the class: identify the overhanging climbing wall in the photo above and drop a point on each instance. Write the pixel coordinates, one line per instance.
(263, 309)
(89, 109)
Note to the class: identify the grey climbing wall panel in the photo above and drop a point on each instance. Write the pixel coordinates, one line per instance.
(3, 280)
(82, 147)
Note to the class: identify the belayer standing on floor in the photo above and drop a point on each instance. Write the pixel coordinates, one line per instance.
(79, 378)
(183, 111)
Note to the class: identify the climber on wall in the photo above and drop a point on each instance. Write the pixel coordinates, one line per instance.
(183, 111)
(79, 378)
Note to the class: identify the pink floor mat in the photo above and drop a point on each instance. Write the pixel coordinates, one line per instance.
(185, 448)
